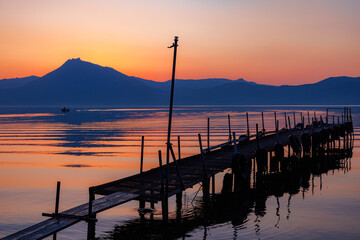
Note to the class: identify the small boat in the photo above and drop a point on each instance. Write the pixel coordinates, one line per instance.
(64, 110)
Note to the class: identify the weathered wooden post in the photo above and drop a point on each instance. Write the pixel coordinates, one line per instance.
(247, 123)
(327, 115)
(91, 199)
(57, 198)
(164, 199)
(213, 183)
(141, 202)
(308, 117)
(202, 156)
(208, 134)
(174, 45)
(275, 120)
(315, 116)
(235, 147)
(229, 128)
(289, 123)
(257, 136)
(263, 124)
(294, 120)
(286, 126)
(142, 155)
(179, 149)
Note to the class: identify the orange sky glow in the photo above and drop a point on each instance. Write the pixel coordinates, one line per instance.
(271, 42)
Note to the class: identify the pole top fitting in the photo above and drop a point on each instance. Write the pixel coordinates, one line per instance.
(175, 43)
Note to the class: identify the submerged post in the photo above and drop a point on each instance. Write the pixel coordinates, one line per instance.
(174, 45)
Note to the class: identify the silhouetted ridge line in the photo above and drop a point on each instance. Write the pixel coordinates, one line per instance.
(81, 83)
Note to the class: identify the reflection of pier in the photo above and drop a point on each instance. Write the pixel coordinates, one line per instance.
(258, 162)
(235, 204)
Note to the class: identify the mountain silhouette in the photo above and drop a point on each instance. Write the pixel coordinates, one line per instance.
(81, 83)
(16, 82)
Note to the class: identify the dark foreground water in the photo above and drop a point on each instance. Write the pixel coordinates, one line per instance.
(86, 147)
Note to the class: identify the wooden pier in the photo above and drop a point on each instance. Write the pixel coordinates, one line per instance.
(240, 153)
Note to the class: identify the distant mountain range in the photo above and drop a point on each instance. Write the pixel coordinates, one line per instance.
(80, 83)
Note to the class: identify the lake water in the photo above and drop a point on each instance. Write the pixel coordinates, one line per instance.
(88, 147)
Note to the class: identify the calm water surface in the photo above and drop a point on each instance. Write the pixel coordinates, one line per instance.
(87, 147)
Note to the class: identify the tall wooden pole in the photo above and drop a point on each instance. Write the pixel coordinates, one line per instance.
(175, 45)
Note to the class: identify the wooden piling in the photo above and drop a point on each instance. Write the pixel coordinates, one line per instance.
(275, 119)
(229, 128)
(308, 117)
(263, 124)
(142, 154)
(286, 125)
(208, 134)
(213, 184)
(91, 199)
(289, 122)
(202, 156)
(247, 124)
(164, 199)
(294, 119)
(235, 147)
(179, 149)
(57, 198)
(257, 136)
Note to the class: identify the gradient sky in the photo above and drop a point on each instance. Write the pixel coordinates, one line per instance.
(266, 41)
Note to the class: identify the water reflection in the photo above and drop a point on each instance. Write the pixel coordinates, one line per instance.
(235, 206)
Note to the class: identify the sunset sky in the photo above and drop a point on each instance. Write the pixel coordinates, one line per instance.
(266, 41)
